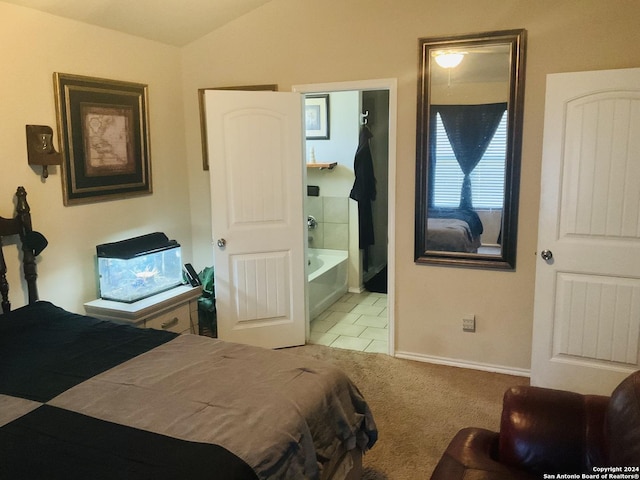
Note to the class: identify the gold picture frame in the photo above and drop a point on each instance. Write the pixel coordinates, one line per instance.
(103, 127)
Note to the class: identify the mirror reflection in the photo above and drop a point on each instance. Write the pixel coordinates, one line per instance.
(469, 128)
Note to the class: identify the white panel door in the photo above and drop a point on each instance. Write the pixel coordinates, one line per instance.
(586, 332)
(256, 171)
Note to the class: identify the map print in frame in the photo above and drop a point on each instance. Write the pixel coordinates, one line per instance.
(104, 139)
(108, 140)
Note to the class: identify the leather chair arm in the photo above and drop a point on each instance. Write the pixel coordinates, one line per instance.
(471, 454)
(544, 430)
(623, 421)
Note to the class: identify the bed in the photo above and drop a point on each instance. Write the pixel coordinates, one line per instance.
(453, 230)
(84, 398)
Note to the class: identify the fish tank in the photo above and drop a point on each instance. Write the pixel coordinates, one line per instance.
(139, 267)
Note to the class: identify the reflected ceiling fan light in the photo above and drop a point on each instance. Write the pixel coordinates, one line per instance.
(449, 59)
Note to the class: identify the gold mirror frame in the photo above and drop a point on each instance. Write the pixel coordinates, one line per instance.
(515, 40)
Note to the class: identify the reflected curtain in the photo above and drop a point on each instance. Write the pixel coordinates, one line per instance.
(470, 129)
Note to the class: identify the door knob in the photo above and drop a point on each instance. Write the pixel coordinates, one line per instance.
(221, 242)
(546, 254)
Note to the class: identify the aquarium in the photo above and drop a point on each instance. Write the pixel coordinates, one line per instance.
(138, 267)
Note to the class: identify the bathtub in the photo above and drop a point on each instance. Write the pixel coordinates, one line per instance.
(327, 275)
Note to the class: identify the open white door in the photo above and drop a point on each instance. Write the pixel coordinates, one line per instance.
(256, 172)
(586, 332)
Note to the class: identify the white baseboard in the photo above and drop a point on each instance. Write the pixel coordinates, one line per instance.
(519, 372)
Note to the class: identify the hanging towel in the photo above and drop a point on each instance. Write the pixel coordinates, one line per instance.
(364, 191)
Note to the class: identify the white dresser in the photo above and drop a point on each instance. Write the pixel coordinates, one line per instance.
(175, 310)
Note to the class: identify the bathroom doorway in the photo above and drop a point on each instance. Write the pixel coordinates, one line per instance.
(351, 303)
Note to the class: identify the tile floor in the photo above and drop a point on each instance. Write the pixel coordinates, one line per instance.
(358, 321)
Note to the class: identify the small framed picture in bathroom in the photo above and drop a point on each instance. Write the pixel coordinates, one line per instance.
(316, 114)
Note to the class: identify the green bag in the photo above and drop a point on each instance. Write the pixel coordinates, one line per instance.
(207, 304)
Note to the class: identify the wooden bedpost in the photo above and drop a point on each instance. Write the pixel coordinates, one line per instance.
(28, 260)
(4, 285)
(19, 225)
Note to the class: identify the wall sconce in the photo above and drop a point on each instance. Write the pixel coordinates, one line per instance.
(40, 149)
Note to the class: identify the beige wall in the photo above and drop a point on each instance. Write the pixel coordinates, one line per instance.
(291, 42)
(33, 45)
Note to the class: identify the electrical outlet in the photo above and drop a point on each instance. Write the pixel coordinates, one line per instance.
(469, 323)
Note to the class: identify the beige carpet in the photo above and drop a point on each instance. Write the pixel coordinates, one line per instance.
(418, 407)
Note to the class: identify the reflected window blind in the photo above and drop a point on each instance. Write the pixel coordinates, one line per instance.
(487, 179)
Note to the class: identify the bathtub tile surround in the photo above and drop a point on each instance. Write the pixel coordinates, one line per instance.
(332, 215)
(314, 207)
(336, 236)
(316, 236)
(336, 209)
(357, 321)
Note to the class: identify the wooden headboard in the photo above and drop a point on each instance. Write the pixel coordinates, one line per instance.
(19, 225)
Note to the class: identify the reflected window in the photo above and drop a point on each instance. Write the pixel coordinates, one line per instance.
(468, 148)
(487, 178)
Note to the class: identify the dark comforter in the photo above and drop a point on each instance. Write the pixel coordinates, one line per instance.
(85, 398)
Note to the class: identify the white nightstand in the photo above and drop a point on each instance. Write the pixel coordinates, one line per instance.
(175, 310)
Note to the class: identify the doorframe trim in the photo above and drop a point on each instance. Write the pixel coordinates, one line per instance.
(390, 84)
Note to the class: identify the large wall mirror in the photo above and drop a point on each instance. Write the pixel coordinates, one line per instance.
(470, 105)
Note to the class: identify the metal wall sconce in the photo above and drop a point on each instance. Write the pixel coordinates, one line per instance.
(40, 149)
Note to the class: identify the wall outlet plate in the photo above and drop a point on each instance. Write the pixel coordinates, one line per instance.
(469, 323)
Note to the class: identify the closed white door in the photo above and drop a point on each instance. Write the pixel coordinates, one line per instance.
(256, 173)
(586, 332)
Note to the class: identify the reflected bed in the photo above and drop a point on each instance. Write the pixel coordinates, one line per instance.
(453, 230)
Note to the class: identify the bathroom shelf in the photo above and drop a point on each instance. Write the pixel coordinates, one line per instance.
(322, 166)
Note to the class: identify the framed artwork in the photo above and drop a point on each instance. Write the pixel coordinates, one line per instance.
(316, 117)
(103, 128)
(203, 116)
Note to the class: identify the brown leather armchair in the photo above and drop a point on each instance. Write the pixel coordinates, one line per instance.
(549, 431)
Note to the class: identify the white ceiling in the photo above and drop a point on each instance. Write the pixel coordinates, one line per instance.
(174, 22)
